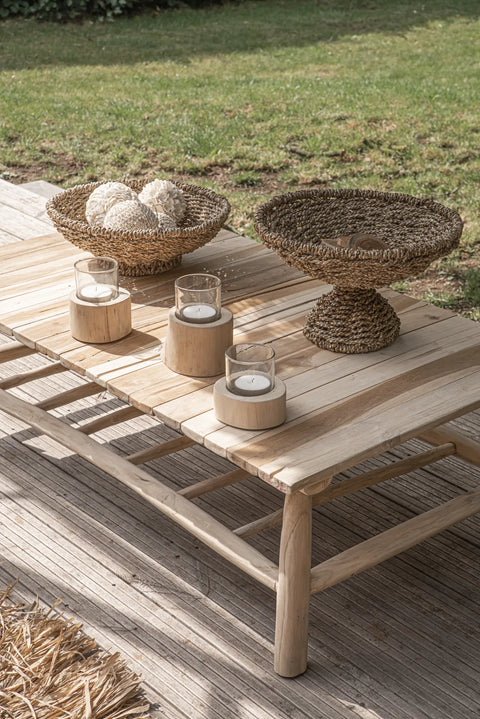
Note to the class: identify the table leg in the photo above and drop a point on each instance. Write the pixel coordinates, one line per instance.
(293, 593)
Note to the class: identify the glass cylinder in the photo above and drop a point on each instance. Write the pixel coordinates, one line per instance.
(96, 279)
(250, 369)
(198, 298)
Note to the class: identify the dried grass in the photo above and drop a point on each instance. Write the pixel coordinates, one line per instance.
(49, 669)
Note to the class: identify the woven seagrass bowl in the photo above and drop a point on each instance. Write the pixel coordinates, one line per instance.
(148, 252)
(303, 226)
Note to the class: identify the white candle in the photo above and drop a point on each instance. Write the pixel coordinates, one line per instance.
(198, 313)
(252, 384)
(96, 292)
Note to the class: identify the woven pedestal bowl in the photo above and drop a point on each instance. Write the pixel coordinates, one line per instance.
(354, 317)
(146, 252)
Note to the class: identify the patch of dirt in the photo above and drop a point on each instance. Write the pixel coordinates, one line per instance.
(437, 282)
(56, 168)
(432, 281)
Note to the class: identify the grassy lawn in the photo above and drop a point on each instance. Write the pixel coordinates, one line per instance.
(259, 98)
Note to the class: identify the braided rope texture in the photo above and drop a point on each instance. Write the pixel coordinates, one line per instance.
(302, 227)
(352, 321)
(415, 231)
(145, 252)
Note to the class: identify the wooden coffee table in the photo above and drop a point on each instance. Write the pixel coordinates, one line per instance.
(342, 409)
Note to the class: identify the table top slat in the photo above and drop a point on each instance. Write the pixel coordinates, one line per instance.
(340, 408)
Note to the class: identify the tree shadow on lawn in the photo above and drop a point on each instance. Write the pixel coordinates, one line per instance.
(181, 35)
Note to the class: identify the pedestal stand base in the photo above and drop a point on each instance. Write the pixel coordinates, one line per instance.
(260, 412)
(152, 268)
(352, 321)
(198, 350)
(100, 323)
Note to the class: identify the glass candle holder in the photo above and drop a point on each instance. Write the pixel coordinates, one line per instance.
(250, 369)
(198, 298)
(96, 279)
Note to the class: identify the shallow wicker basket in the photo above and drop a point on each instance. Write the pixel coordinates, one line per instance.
(146, 252)
(353, 317)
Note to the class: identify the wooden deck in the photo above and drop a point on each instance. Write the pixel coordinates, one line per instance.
(400, 641)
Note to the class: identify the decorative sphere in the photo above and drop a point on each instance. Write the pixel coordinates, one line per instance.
(165, 222)
(130, 215)
(164, 197)
(103, 198)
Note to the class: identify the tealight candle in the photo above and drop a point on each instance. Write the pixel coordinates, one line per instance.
(197, 298)
(96, 279)
(252, 384)
(198, 313)
(250, 396)
(99, 310)
(96, 293)
(250, 369)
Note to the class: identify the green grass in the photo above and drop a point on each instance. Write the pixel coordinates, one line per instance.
(465, 297)
(255, 99)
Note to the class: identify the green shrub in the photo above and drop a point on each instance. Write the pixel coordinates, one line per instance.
(62, 10)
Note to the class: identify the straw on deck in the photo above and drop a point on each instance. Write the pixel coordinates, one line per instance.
(49, 669)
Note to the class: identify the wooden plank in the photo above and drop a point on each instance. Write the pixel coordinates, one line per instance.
(466, 448)
(180, 510)
(70, 395)
(23, 226)
(297, 356)
(109, 420)
(159, 293)
(358, 394)
(32, 375)
(372, 433)
(213, 483)
(23, 200)
(28, 246)
(393, 541)
(322, 494)
(42, 187)
(13, 350)
(57, 318)
(31, 300)
(345, 386)
(7, 238)
(160, 450)
(24, 281)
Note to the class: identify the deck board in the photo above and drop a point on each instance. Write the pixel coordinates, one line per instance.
(395, 642)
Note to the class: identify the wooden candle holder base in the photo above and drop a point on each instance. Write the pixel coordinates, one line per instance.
(260, 412)
(99, 323)
(198, 350)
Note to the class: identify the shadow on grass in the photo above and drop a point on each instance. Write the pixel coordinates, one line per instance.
(182, 35)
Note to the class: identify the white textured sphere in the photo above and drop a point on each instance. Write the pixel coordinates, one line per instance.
(103, 198)
(164, 197)
(130, 215)
(165, 222)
